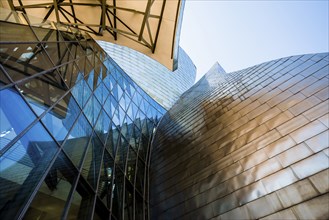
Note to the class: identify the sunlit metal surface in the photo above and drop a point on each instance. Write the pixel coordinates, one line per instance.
(246, 145)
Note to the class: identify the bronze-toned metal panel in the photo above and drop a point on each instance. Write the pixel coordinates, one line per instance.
(246, 145)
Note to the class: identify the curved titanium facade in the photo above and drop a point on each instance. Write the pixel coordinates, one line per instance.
(252, 145)
(160, 83)
(75, 129)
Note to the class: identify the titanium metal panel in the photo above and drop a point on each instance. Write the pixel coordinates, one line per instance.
(251, 144)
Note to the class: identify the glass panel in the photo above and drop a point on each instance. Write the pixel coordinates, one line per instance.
(90, 78)
(92, 110)
(118, 194)
(51, 197)
(131, 165)
(22, 60)
(103, 125)
(92, 161)
(70, 74)
(15, 116)
(58, 52)
(3, 78)
(82, 202)
(139, 184)
(106, 180)
(45, 34)
(122, 153)
(112, 141)
(61, 118)
(143, 146)
(77, 141)
(139, 207)
(81, 92)
(129, 202)
(22, 167)
(42, 92)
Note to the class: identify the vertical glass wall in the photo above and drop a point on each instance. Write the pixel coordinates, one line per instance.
(75, 129)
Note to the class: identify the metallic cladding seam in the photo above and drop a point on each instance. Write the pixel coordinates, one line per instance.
(246, 145)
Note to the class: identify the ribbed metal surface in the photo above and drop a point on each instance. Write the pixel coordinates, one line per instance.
(246, 145)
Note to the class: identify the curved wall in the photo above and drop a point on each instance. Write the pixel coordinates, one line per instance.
(74, 129)
(252, 145)
(160, 83)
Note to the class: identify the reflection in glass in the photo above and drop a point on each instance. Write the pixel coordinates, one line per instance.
(23, 60)
(22, 167)
(92, 161)
(15, 116)
(53, 193)
(91, 109)
(106, 185)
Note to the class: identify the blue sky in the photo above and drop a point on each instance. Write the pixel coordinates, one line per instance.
(239, 34)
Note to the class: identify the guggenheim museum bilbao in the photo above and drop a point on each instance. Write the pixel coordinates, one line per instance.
(100, 119)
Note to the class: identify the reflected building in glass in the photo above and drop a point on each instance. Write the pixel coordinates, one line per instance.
(160, 83)
(82, 139)
(75, 129)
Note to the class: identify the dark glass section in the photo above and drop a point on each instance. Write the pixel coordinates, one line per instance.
(70, 130)
(24, 59)
(251, 144)
(52, 196)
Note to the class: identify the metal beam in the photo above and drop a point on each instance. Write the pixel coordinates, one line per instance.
(12, 7)
(176, 21)
(159, 25)
(147, 11)
(115, 18)
(93, 31)
(73, 12)
(149, 31)
(121, 22)
(56, 11)
(103, 20)
(21, 4)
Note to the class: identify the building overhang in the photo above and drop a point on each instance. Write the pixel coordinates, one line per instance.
(148, 26)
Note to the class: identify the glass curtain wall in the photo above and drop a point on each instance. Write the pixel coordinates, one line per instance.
(75, 129)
